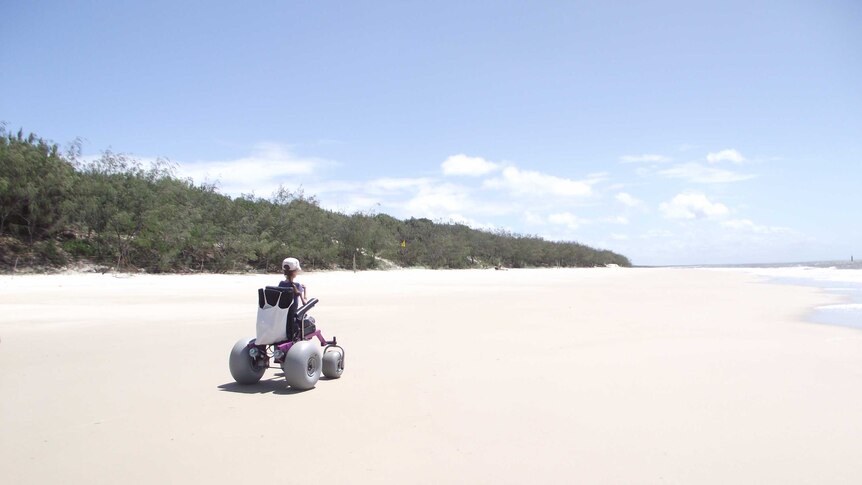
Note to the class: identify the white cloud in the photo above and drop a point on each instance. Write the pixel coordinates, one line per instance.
(644, 158)
(729, 155)
(692, 205)
(695, 172)
(747, 225)
(533, 219)
(567, 219)
(268, 166)
(414, 197)
(597, 177)
(627, 200)
(657, 234)
(527, 182)
(617, 220)
(359, 203)
(447, 203)
(461, 219)
(436, 201)
(384, 185)
(471, 166)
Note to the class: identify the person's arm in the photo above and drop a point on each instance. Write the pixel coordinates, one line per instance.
(300, 288)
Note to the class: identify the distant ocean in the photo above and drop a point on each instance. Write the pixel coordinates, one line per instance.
(842, 278)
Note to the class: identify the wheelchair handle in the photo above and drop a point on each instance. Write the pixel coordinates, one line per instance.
(304, 309)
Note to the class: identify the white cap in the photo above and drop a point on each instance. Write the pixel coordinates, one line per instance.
(291, 264)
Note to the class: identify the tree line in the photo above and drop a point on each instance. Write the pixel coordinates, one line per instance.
(56, 209)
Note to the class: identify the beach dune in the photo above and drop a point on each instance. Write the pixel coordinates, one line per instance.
(603, 375)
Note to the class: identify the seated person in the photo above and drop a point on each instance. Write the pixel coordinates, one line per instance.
(291, 269)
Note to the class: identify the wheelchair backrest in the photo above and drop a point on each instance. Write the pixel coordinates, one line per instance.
(283, 296)
(276, 316)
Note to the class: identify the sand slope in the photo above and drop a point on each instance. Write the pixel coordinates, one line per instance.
(521, 376)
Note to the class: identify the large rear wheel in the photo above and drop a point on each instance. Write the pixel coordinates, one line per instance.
(302, 365)
(244, 368)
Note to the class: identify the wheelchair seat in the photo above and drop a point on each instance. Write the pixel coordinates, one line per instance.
(275, 301)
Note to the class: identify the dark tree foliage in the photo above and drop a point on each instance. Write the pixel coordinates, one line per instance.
(35, 187)
(113, 211)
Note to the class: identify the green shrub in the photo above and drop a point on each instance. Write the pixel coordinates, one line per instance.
(79, 249)
(47, 252)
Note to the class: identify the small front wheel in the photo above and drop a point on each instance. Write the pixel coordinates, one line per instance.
(244, 368)
(333, 362)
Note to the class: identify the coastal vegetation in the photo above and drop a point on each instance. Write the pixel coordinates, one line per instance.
(114, 212)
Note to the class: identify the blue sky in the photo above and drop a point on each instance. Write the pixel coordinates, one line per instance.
(674, 132)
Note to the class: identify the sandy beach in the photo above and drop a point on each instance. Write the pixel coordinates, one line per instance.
(605, 375)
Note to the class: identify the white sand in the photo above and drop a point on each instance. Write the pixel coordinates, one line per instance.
(523, 376)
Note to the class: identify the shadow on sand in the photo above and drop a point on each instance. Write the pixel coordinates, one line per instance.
(275, 385)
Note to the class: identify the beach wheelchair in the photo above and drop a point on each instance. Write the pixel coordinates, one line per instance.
(286, 337)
